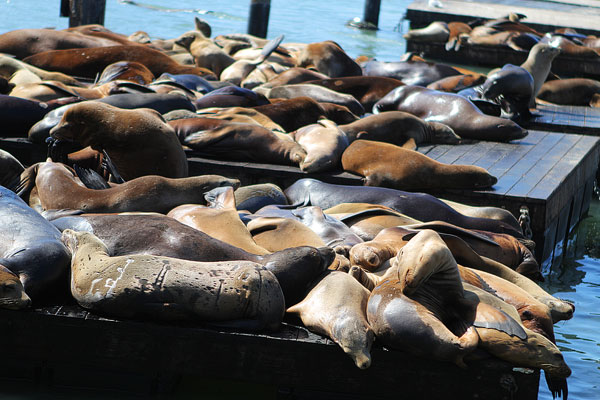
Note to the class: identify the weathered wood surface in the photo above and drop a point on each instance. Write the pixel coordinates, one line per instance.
(497, 56)
(67, 347)
(543, 16)
(566, 119)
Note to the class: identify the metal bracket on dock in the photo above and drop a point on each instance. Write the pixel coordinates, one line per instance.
(525, 222)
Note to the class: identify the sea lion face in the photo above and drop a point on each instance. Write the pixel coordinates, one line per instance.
(12, 293)
(442, 133)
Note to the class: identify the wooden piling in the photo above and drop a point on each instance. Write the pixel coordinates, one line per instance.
(84, 12)
(258, 20)
(371, 12)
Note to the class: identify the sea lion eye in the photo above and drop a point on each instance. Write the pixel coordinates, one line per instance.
(527, 315)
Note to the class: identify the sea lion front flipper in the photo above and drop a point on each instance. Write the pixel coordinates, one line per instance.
(410, 144)
(90, 178)
(109, 166)
(221, 198)
(491, 318)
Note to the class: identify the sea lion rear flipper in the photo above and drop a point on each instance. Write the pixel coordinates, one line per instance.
(270, 47)
(90, 178)
(26, 182)
(109, 166)
(450, 229)
(558, 386)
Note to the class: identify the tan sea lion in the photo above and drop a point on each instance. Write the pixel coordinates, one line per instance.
(205, 52)
(329, 58)
(57, 188)
(293, 75)
(11, 67)
(324, 143)
(139, 141)
(436, 31)
(12, 293)
(220, 220)
(231, 114)
(240, 294)
(275, 233)
(388, 165)
(335, 306)
(399, 128)
(538, 64)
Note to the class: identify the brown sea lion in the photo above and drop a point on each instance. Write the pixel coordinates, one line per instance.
(571, 91)
(219, 220)
(329, 58)
(292, 76)
(336, 307)
(456, 29)
(451, 109)
(239, 294)
(127, 71)
(568, 47)
(12, 293)
(205, 52)
(399, 128)
(233, 113)
(292, 114)
(368, 90)
(388, 165)
(324, 143)
(138, 141)
(456, 83)
(57, 188)
(89, 62)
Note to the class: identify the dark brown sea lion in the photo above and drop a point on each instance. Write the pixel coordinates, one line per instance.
(30, 248)
(388, 165)
(571, 91)
(324, 143)
(420, 206)
(293, 114)
(88, 63)
(246, 142)
(539, 63)
(336, 307)
(514, 87)
(451, 109)
(57, 188)
(399, 128)
(139, 141)
(231, 96)
(329, 58)
(126, 70)
(25, 42)
(520, 41)
(456, 29)
(366, 89)
(19, 115)
(240, 294)
(156, 234)
(410, 72)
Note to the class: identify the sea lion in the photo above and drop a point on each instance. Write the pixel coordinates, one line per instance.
(58, 188)
(293, 75)
(156, 234)
(205, 52)
(19, 115)
(219, 220)
(335, 307)
(436, 31)
(240, 114)
(451, 109)
(254, 197)
(231, 96)
(538, 64)
(10, 170)
(420, 206)
(399, 128)
(293, 114)
(245, 142)
(138, 141)
(12, 293)
(388, 165)
(324, 143)
(31, 249)
(498, 213)
(410, 72)
(88, 63)
(318, 93)
(514, 85)
(239, 294)
(128, 71)
(569, 47)
(277, 233)
(329, 58)
(366, 89)
(571, 91)
(456, 83)
(12, 67)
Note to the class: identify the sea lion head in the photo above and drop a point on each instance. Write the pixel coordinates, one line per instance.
(355, 337)
(12, 293)
(442, 133)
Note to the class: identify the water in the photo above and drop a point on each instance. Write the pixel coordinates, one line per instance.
(577, 278)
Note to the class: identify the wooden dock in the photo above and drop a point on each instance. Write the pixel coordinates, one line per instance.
(544, 16)
(496, 56)
(67, 350)
(566, 119)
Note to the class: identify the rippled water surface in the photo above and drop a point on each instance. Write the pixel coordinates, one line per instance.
(577, 278)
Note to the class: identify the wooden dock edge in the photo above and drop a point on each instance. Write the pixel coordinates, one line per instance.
(80, 353)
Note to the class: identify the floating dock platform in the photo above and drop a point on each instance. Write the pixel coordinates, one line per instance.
(67, 350)
(496, 56)
(543, 16)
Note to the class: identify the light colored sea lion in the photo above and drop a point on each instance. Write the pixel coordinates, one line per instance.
(220, 220)
(246, 142)
(329, 58)
(236, 293)
(12, 293)
(10, 67)
(436, 31)
(30, 248)
(205, 52)
(335, 306)
(451, 109)
(539, 63)
(324, 143)
(388, 165)
(276, 233)
(571, 91)
(139, 141)
(57, 188)
(10, 170)
(498, 213)
(231, 113)
(292, 76)
(399, 128)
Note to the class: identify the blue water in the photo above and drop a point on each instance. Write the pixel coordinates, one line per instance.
(577, 278)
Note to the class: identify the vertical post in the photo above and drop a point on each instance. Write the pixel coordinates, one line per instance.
(84, 12)
(371, 12)
(258, 20)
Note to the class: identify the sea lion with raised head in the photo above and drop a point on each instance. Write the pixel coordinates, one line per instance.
(328, 58)
(538, 64)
